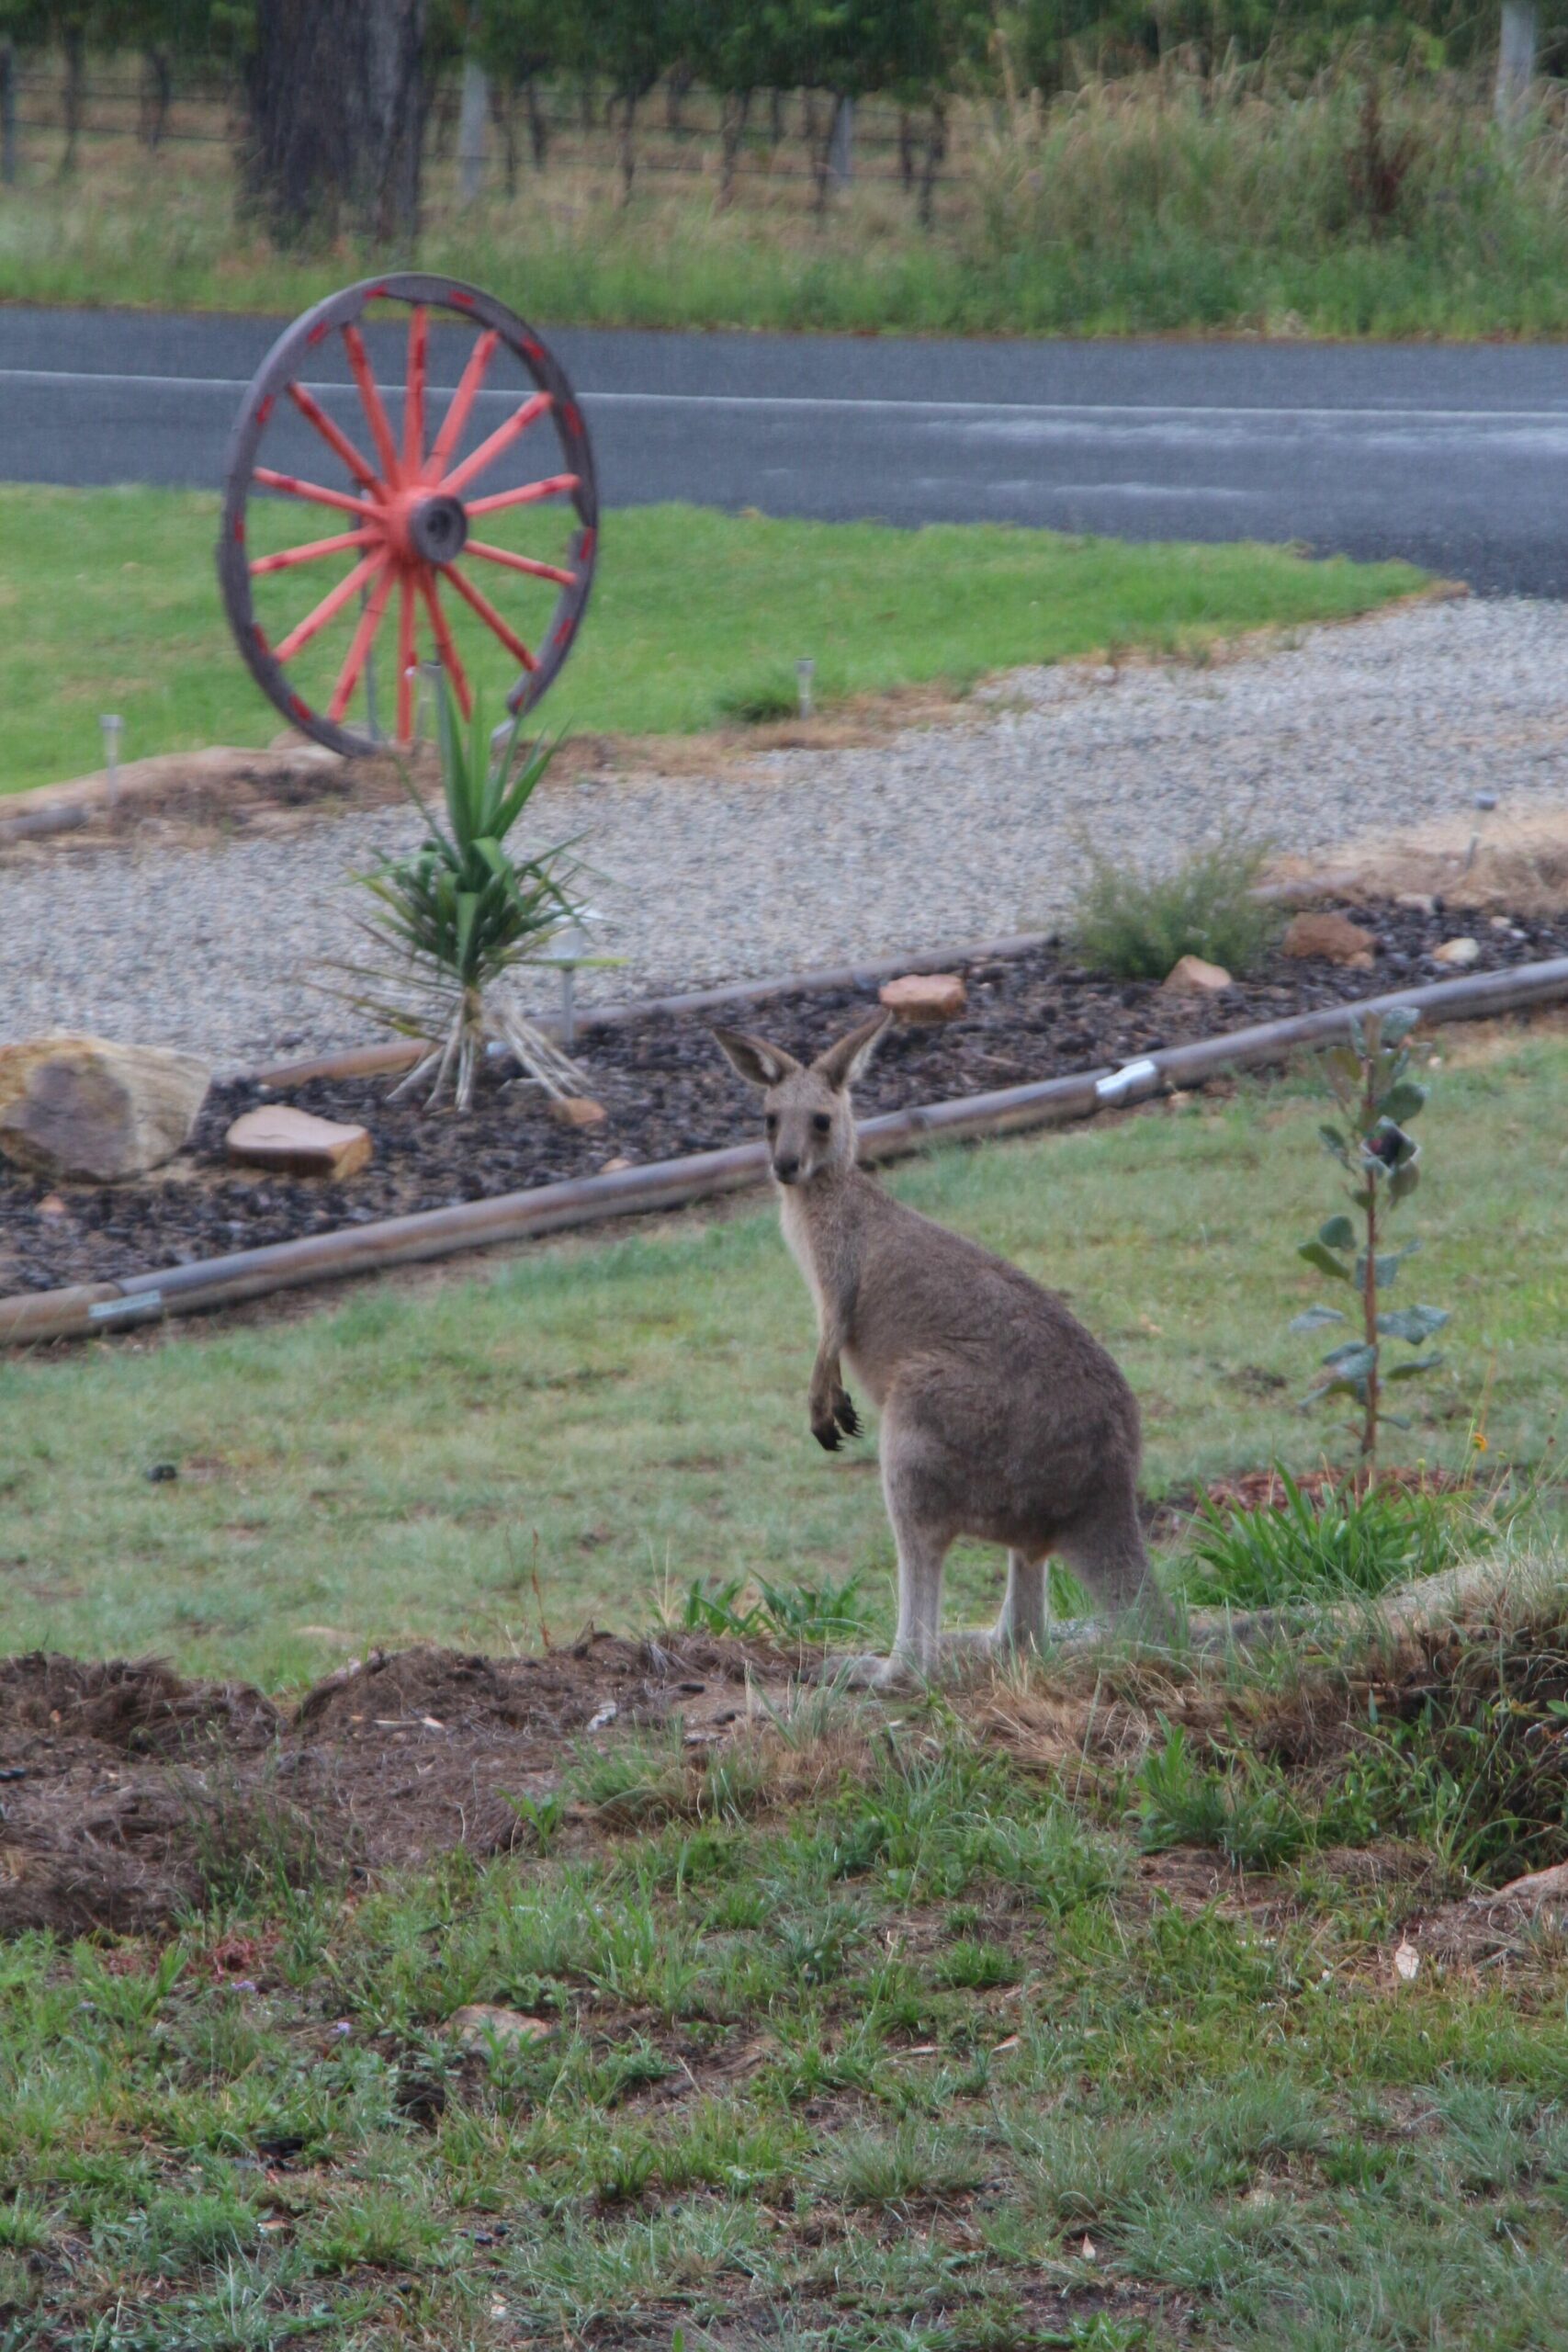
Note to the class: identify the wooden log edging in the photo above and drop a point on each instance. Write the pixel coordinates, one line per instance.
(85, 1309)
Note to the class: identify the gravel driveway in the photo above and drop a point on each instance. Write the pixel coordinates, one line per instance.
(818, 858)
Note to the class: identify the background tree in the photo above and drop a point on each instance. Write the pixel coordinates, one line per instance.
(336, 98)
(630, 43)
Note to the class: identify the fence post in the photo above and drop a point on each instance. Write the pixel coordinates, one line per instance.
(471, 129)
(841, 143)
(7, 112)
(1515, 60)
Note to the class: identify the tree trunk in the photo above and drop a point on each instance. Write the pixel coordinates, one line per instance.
(736, 107)
(936, 155)
(336, 103)
(775, 118)
(75, 46)
(676, 92)
(538, 123)
(157, 92)
(502, 113)
(625, 144)
(906, 147)
(8, 113)
(1515, 60)
(471, 130)
(841, 143)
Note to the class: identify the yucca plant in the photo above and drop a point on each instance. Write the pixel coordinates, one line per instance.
(462, 911)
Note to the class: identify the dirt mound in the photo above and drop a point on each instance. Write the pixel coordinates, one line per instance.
(136, 1709)
(130, 1795)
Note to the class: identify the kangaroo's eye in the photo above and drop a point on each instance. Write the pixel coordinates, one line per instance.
(822, 1123)
(771, 1124)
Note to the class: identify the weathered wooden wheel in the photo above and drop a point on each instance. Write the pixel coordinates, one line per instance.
(509, 453)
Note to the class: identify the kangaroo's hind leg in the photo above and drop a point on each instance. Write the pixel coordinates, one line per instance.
(1105, 1550)
(914, 1474)
(1021, 1625)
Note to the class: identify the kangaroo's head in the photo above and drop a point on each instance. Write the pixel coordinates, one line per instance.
(806, 1105)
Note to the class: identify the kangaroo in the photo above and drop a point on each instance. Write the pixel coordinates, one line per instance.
(1003, 1418)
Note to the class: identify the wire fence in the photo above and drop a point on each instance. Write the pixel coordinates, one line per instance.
(678, 129)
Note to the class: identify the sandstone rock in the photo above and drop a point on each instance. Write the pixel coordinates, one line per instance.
(1458, 953)
(923, 997)
(80, 1108)
(484, 2025)
(577, 1111)
(297, 1144)
(1420, 903)
(1332, 939)
(1192, 977)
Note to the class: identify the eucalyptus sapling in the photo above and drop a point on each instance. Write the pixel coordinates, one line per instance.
(1371, 1081)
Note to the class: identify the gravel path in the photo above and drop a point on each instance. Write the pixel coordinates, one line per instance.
(818, 858)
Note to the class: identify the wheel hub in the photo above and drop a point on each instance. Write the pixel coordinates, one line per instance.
(438, 529)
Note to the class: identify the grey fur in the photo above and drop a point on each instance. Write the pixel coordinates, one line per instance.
(1003, 1418)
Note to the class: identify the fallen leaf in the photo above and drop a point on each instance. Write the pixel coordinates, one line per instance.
(1407, 1961)
(1087, 2249)
(1013, 2041)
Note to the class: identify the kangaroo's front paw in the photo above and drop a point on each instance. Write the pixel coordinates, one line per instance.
(844, 1413)
(826, 1432)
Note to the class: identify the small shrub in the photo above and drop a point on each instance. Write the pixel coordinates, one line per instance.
(1137, 924)
(463, 910)
(1343, 1544)
(1370, 1083)
(800, 1612)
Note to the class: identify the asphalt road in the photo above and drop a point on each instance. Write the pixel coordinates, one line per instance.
(1455, 456)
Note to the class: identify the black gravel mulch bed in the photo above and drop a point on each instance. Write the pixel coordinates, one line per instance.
(668, 1092)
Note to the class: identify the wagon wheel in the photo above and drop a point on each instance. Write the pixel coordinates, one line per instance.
(448, 497)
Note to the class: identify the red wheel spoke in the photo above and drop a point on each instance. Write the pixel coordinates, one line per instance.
(334, 438)
(413, 404)
(491, 617)
(295, 488)
(521, 563)
(463, 399)
(446, 644)
(330, 604)
(406, 658)
(369, 622)
(370, 401)
(312, 552)
(555, 486)
(501, 438)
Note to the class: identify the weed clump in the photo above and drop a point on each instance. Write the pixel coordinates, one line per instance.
(1136, 924)
(1341, 1544)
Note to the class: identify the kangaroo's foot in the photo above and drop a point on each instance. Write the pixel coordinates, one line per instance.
(870, 1671)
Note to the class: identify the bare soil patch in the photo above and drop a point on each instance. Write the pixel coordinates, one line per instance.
(668, 1093)
(131, 1796)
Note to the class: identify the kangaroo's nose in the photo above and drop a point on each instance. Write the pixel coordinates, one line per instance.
(786, 1171)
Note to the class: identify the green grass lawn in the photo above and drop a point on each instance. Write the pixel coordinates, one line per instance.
(620, 1418)
(923, 2061)
(880, 2029)
(108, 602)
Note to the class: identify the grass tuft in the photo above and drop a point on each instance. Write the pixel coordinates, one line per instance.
(1138, 923)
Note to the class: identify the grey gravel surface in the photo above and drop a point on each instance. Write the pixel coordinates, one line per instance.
(930, 837)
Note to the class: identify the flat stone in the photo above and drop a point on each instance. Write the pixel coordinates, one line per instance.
(297, 1143)
(1420, 903)
(577, 1111)
(923, 997)
(1330, 939)
(485, 2025)
(1458, 953)
(1191, 976)
(81, 1109)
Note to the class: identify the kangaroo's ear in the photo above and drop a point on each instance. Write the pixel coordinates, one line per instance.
(759, 1063)
(842, 1063)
